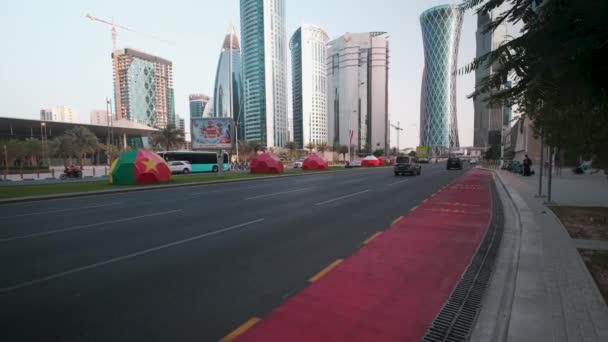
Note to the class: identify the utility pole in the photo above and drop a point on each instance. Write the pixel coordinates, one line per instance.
(397, 130)
(5, 163)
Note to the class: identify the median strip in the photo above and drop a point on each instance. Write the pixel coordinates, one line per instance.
(240, 330)
(125, 257)
(325, 271)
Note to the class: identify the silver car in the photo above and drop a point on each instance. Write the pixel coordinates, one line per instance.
(180, 166)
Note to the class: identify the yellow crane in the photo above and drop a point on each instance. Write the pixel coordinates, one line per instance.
(115, 56)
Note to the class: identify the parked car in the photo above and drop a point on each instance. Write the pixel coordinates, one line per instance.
(423, 160)
(407, 165)
(298, 163)
(354, 163)
(454, 163)
(473, 161)
(180, 166)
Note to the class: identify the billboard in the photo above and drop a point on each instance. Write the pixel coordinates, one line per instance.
(422, 152)
(212, 133)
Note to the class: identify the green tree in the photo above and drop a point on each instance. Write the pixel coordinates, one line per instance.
(112, 152)
(412, 154)
(379, 152)
(322, 147)
(63, 147)
(168, 137)
(292, 147)
(394, 151)
(84, 142)
(343, 150)
(558, 67)
(33, 151)
(310, 146)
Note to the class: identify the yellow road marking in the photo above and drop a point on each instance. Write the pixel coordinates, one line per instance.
(325, 271)
(371, 238)
(398, 219)
(240, 330)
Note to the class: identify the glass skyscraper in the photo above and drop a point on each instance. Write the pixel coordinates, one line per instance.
(441, 27)
(264, 54)
(198, 105)
(228, 90)
(309, 85)
(146, 89)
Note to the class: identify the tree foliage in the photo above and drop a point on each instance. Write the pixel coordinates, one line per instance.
(322, 147)
(169, 137)
(342, 149)
(292, 147)
(558, 67)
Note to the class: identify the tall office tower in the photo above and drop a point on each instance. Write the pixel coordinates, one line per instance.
(99, 117)
(264, 54)
(146, 89)
(488, 116)
(441, 27)
(199, 104)
(228, 91)
(309, 85)
(357, 79)
(58, 113)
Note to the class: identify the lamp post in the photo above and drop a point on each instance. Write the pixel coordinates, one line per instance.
(5, 163)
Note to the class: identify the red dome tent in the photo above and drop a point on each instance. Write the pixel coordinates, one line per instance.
(266, 163)
(369, 161)
(381, 161)
(314, 162)
(392, 160)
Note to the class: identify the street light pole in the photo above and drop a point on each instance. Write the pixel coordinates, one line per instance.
(5, 163)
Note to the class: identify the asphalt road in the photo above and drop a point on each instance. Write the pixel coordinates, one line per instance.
(186, 264)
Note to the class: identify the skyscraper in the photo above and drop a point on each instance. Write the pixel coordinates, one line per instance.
(488, 116)
(357, 79)
(309, 85)
(441, 27)
(228, 90)
(264, 54)
(58, 113)
(198, 105)
(146, 89)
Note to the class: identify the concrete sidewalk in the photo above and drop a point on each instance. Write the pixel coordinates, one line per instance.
(546, 292)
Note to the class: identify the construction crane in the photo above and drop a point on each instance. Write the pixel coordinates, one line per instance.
(115, 56)
(397, 129)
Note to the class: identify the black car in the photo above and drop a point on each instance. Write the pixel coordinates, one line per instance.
(407, 165)
(454, 163)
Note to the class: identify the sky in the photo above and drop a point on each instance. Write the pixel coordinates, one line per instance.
(52, 55)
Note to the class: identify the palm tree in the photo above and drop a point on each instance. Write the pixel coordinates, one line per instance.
(84, 141)
(292, 147)
(256, 146)
(33, 150)
(168, 137)
(310, 146)
(322, 147)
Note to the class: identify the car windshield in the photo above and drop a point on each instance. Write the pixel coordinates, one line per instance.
(403, 160)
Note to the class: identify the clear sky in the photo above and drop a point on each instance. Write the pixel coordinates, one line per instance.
(53, 55)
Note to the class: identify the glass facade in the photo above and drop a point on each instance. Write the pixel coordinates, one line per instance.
(142, 93)
(228, 90)
(309, 85)
(441, 27)
(264, 51)
(198, 105)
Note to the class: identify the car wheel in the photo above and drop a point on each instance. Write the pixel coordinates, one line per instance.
(186, 171)
(396, 174)
(215, 169)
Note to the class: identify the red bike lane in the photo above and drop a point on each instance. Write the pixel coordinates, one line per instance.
(393, 287)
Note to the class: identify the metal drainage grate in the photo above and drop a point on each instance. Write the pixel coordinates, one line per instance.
(458, 315)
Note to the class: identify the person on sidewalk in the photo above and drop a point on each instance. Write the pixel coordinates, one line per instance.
(527, 166)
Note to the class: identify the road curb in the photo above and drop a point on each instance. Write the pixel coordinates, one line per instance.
(157, 187)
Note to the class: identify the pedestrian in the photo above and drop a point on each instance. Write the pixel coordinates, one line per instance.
(527, 166)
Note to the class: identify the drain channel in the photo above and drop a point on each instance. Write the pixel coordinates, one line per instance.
(458, 315)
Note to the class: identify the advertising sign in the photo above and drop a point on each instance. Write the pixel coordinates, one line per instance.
(422, 152)
(212, 133)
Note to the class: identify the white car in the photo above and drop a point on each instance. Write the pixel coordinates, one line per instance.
(298, 164)
(354, 163)
(473, 161)
(180, 166)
